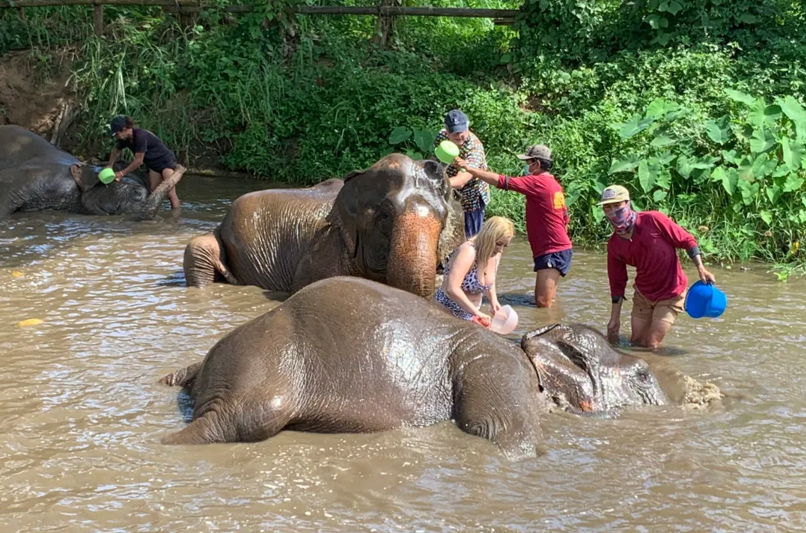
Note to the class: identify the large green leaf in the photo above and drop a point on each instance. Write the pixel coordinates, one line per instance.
(662, 141)
(399, 134)
(762, 141)
(728, 177)
(659, 195)
(635, 126)
(792, 109)
(729, 156)
(739, 96)
(624, 165)
(746, 169)
(749, 191)
(424, 140)
(766, 216)
(773, 193)
(663, 178)
(793, 153)
(659, 107)
(793, 183)
(645, 176)
(684, 166)
(718, 131)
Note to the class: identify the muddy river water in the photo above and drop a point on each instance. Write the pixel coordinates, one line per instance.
(81, 413)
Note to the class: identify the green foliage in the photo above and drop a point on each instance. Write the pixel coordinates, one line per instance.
(418, 143)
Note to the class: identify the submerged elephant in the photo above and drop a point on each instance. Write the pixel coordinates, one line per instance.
(36, 175)
(389, 223)
(349, 355)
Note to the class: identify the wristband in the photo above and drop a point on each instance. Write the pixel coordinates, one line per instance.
(694, 252)
(506, 181)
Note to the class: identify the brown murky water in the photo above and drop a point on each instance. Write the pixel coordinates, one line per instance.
(81, 413)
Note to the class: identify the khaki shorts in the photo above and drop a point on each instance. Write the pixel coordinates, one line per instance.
(664, 310)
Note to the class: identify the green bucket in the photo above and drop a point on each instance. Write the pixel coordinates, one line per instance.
(106, 176)
(447, 151)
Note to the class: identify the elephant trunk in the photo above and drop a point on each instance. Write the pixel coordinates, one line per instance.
(413, 253)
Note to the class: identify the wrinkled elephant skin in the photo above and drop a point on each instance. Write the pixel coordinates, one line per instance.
(391, 223)
(341, 356)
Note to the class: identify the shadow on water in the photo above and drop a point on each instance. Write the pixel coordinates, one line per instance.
(177, 279)
(185, 404)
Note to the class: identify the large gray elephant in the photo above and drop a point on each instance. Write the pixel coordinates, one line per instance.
(36, 175)
(350, 355)
(390, 223)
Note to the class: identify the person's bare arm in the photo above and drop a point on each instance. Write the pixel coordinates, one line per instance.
(134, 165)
(113, 157)
(483, 175)
(461, 265)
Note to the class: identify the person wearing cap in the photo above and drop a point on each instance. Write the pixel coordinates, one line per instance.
(647, 241)
(475, 193)
(148, 149)
(546, 218)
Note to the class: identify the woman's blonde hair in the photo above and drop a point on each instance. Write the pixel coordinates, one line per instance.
(495, 229)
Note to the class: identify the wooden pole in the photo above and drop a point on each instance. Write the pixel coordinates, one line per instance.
(98, 19)
(192, 6)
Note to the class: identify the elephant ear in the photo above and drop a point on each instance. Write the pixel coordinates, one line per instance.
(346, 210)
(85, 176)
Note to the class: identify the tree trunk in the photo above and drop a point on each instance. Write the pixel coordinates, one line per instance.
(385, 28)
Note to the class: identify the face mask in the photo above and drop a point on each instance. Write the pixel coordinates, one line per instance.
(526, 170)
(622, 219)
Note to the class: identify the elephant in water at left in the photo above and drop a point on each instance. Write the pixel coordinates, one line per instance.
(35, 175)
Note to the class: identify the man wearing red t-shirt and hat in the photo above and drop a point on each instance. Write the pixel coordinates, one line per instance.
(546, 217)
(648, 241)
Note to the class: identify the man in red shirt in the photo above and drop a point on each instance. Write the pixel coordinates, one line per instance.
(546, 218)
(648, 241)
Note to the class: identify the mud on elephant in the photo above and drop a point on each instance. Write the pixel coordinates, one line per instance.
(389, 223)
(340, 356)
(36, 175)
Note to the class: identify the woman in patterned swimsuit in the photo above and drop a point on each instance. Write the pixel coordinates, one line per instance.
(471, 270)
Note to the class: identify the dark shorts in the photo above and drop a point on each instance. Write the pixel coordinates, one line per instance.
(473, 222)
(558, 260)
(161, 164)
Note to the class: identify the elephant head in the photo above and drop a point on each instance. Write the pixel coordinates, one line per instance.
(125, 196)
(580, 370)
(397, 219)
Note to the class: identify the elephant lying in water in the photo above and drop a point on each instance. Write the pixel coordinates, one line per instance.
(389, 223)
(341, 356)
(35, 175)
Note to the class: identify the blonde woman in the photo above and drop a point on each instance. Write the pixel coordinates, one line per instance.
(471, 271)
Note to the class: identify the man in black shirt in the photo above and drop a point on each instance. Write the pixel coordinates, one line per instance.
(147, 148)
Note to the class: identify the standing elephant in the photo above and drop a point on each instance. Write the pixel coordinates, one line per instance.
(351, 355)
(390, 223)
(35, 175)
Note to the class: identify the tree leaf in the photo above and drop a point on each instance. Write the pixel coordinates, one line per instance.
(663, 178)
(659, 195)
(793, 153)
(424, 140)
(659, 107)
(756, 115)
(729, 156)
(746, 169)
(759, 165)
(793, 183)
(399, 134)
(773, 193)
(674, 7)
(747, 18)
(792, 109)
(728, 177)
(716, 133)
(762, 141)
(738, 96)
(634, 126)
(766, 216)
(645, 177)
(624, 165)
(749, 191)
(661, 141)
(684, 168)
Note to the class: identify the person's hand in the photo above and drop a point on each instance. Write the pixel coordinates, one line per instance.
(118, 175)
(483, 319)
(705, 276)
(612, 330)
(460, 163)
(494, 307)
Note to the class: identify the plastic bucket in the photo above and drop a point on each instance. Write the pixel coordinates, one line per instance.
(705, 300)
(447, 151)
(106, 176)
(504, 321)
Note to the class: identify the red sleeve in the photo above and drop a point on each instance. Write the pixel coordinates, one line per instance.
(523, 184)
(616, 272)
(677, 236)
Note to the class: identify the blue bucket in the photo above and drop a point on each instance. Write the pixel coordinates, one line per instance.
(705, 300)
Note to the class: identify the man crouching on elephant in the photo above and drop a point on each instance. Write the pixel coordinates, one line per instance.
(147, 148)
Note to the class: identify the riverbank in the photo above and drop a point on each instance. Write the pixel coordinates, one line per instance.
(705, 125)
